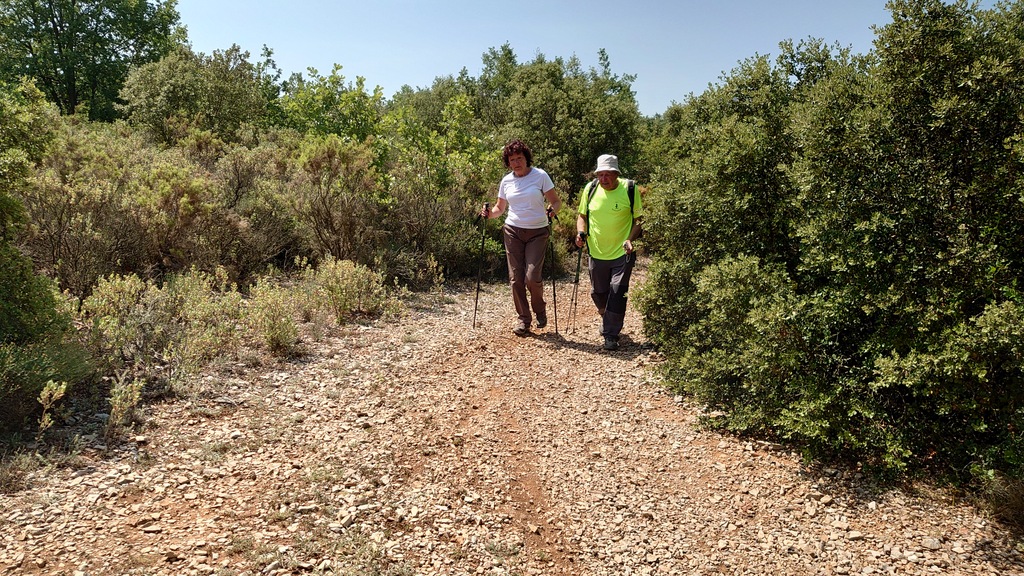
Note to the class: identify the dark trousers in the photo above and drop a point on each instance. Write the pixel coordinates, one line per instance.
(525, 249)
(609, 281)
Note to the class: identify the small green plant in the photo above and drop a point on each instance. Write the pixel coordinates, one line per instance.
(25, 371)
(400, 570)
(281, 516)
(1005, 497)
(214, 452)
(48, 398)
(245, 546)
(124, 399)
(503, 550)
(206, 311)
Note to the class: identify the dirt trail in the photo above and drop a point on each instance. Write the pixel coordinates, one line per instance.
(428, 447)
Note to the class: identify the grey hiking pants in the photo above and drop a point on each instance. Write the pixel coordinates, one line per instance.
(609, 281)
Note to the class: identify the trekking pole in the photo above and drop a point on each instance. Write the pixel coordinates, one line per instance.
(575, 289)
(480, 263)
(551, 245)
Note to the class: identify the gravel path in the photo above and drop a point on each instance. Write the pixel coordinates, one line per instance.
(428, 447)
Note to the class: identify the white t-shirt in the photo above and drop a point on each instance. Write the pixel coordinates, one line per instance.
(525, 197)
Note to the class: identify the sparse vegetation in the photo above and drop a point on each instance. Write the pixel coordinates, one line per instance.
(503, 550)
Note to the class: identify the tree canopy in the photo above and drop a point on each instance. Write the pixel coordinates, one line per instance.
(79, 53)
(182, 91)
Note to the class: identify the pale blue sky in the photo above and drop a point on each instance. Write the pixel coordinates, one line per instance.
(674, 47)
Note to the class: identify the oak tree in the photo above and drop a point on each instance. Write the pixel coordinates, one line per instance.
(79, 53)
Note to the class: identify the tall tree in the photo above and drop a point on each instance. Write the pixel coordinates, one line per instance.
(496, 84)
(80, 52)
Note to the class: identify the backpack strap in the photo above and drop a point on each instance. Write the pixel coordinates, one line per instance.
(591, 188)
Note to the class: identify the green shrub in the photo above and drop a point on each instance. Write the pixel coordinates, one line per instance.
(126, 326)
(183, 225)
(1004, 496)
(106, 201)
(745, 344)
(414, 270)
(28, 303)
(35, 349)
(337, 198)
(80, 204)
(436, 181)
(264, 228)
(309, 301)
(272, 315)
(837, 246)
(14, 470)
(667, 302)
(35, 340)
(961, 394)
(163, 333)
(350, 290)
(25, 370)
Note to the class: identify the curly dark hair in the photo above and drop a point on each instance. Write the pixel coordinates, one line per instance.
(517, 146)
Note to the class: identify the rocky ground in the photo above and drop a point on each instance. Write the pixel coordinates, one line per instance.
(428, 447)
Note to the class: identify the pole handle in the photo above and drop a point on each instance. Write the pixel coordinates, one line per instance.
(487, 210)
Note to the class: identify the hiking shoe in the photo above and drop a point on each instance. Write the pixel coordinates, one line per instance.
(521, 329)
(610, 343)
(542, 321)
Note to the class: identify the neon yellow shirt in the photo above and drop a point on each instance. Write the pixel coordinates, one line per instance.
(610, 219)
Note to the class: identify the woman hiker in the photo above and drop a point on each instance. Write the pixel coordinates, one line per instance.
(532, 200)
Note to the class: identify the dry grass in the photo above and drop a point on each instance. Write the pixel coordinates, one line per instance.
(14, 473)
(1005, 497)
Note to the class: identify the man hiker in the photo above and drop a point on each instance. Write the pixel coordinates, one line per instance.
(609, 222)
